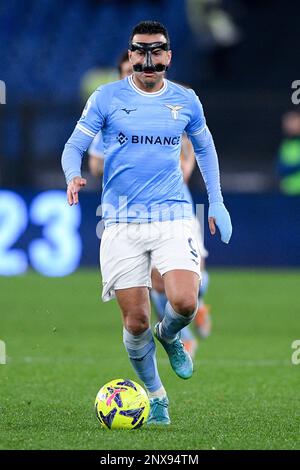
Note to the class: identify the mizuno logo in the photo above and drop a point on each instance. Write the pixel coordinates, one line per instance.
(128, 111)
(174, 110)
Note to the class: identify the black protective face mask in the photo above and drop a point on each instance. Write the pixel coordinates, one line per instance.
(147, 48)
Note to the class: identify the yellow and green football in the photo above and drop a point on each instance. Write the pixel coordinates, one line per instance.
(122, 404)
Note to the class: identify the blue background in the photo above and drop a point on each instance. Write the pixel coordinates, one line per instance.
(266, 231)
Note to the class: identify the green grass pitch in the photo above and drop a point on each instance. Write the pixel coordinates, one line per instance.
(63, 344)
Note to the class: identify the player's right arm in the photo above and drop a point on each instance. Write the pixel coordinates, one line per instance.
(87, 127)
(96, 156)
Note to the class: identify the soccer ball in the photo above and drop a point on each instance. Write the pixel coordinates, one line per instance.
(122, 404)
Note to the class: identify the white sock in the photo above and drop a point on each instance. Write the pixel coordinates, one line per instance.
(160, 393)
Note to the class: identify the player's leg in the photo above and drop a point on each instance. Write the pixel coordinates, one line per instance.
(176, 256)
(159, 301)
(125, 267)
(204, 280)
(137, 335)
(202, 318)
(139, 343)
(157, 293)
(182, 291)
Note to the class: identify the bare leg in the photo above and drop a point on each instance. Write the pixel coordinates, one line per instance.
(182, 290)
(138, 338)
(135, 308)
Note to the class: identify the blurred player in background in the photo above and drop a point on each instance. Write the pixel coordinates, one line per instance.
(158, 296)
(289, 154)
(148, 219)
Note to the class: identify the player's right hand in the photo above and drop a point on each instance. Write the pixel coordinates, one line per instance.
(74, 187)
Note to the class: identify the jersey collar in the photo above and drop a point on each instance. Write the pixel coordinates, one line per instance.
(145, 93)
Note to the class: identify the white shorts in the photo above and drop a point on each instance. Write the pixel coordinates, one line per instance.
(128, 251)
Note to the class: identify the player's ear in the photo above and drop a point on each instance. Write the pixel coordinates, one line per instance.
(169, 57)
(130, 55)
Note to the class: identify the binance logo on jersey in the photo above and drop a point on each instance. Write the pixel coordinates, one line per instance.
(148, 139)
(122, 139)
(155, 140)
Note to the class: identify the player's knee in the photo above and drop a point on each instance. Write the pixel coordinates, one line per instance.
(136, 323)
(136, 326)
(184, 305)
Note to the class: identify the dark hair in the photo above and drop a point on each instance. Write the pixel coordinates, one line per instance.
(123, 58)
(150, 27)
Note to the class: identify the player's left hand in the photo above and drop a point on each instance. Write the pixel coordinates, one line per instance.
(219, 215)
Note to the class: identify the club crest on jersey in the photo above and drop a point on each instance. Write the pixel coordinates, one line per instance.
(174, 110)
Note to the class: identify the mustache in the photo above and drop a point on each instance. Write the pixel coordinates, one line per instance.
(150, 68)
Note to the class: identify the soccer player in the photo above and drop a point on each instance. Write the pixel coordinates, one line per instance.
(158, 295)
(147, 217)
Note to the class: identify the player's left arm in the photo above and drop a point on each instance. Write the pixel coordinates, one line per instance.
(187, 160)
(207, 159)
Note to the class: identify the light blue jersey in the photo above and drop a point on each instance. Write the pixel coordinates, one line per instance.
(97, 149)
(141, 134)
